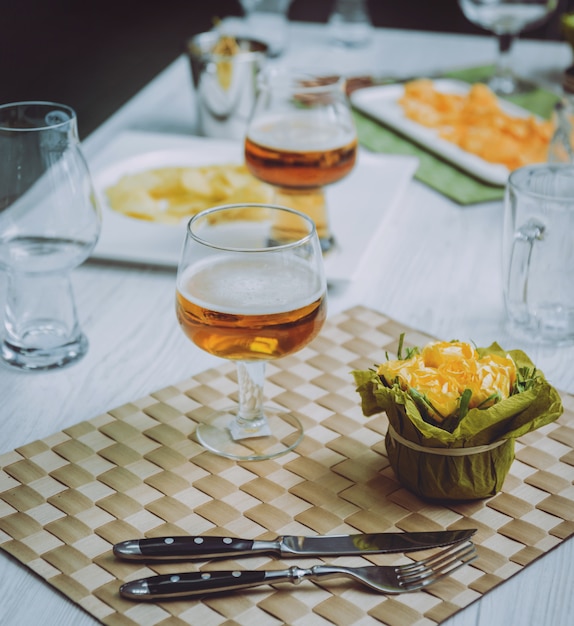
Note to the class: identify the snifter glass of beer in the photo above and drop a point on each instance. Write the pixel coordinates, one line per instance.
(250, 290)
(301, 137)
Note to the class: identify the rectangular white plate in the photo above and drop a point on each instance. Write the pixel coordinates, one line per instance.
(382, 103)
(356, 204)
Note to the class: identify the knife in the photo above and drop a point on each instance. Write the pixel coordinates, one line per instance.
(353, 83)
(206, 547)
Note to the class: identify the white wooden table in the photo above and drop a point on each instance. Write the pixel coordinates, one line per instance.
(439, 272)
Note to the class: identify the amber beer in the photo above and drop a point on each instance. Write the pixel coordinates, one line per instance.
(299, 154)
(234, 309)
(274, 153)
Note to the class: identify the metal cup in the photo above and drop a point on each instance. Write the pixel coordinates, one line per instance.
(225, 85)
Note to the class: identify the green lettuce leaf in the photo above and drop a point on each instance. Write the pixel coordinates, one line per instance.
(459, 477)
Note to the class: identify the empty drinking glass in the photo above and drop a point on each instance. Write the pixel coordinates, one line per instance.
(350, 23)
(267, 20)
(507, 19)
(538, 253)
(49, 224)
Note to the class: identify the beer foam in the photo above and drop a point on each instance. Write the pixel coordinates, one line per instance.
(302, 131)
(251, 285)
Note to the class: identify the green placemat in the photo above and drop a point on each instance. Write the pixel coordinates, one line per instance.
(435, 171)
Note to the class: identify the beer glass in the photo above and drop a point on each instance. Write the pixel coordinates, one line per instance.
(49, 224)
(250, 292)
(301, 137)
(538, 253)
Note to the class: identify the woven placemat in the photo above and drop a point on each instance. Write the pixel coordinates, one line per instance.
(136, 471)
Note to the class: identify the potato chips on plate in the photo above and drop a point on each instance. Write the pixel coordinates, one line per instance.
(374, 187)
(441, 115)
(172, 194)
(476, 122)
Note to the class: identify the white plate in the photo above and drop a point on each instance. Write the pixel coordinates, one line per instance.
(357, 204)
(382, 103)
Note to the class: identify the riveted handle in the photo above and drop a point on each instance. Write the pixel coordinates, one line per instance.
(182, 548)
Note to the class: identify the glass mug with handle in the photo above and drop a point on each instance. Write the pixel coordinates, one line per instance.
(248, 293)
(538, 253)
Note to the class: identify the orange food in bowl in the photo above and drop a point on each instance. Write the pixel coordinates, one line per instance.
(476, 123)
(445, 370)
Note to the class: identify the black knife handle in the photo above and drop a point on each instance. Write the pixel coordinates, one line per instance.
(182, 548)
(169, 586)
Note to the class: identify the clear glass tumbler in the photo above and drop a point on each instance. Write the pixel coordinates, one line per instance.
(49, 224)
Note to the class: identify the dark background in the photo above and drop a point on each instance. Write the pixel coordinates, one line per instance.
(95, 55)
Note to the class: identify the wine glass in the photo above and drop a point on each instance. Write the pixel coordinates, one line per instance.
(350, 24)
(49, 224)
(506, 19)
(250, 292)
(301, 137)
(267, 21)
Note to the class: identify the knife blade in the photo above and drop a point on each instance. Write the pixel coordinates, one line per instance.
(353, 83)
(206, 547)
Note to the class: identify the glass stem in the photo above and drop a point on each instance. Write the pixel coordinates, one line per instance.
(503, 81)
(250, 420)
(505, 42)
(311, 202)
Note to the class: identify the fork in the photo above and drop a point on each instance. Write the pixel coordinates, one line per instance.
(386, 579)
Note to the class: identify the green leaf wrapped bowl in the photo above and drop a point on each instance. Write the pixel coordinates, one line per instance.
(465, 457)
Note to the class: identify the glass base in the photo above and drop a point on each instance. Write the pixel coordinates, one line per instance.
(542, 336)
(38, 359)
(285, 433)
(509, 85)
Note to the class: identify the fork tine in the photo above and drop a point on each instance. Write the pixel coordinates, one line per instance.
(440, 560)
(433, 569)
(435, 559)
(434, 577)
(440, 564)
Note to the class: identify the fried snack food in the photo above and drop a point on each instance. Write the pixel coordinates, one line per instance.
(173, 194)
(447, 375)
(476, 123)
(226, 46)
